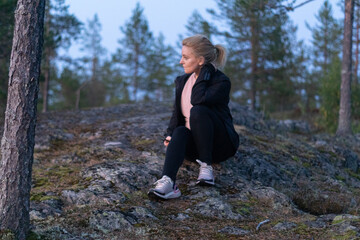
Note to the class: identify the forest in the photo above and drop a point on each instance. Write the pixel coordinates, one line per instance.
(94, 164)
(271, 71)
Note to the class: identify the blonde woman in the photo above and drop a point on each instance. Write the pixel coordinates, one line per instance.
(201, 127)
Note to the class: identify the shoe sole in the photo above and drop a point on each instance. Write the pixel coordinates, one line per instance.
(203, 182)
(171, 195)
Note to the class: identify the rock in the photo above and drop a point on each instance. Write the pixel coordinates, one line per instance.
(125, 176)
(181, 217)
(234, 231)
(297, 126)
(94, 195)
(318, 224)
(276, 200)
(284, 226)
(44, 209)
(112, 144)
(242, 115)
(141, 214)
(216, 207)
(71, 158)
(108, 221)
(345, 217)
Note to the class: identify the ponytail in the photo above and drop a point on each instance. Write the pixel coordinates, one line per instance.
(202, 47)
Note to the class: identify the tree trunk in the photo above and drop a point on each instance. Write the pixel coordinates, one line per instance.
(78, 92)
(355, 76)
(254, 60)
(46, 82)
(17, 145)
(47, 51)
(344, 127)
(136, 72)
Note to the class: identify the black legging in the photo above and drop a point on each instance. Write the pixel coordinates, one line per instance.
(207, 141)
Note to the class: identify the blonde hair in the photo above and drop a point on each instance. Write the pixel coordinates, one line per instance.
(202, 47)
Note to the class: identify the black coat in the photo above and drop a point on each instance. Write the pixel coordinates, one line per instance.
(213, 93)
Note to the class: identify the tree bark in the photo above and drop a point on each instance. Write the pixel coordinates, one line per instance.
(355, 76)
(254, 59)
(17, 145)
(46, 83)
(344, 127)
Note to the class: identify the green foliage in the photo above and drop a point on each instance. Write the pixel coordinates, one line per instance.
(330, 96)
(196, 24)
(93, 92)
(326, 38)
(60, 29)
(7, 8)
(69, 83)
(261, 60)
(134, 51)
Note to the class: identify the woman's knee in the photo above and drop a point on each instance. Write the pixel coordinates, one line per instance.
(198, 112)
(180, 131)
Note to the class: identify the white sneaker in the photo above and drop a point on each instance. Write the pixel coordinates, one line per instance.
(206, 176)
(165, 188)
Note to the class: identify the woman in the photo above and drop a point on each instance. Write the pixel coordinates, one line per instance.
(201, 125)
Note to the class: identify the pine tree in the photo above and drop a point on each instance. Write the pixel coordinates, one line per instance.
(134, 51)
(330, 95)
(259, 50)
(196, 24)
(162, 59)
(7, 8)
(17, 145)
(326, 39)
(94, 51)
(61, 28)
(344, 127)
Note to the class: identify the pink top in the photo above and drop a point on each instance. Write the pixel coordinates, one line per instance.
(185, 99)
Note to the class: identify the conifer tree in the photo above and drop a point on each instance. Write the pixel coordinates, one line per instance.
(93, 85)
(161, 68)
(259, 49)
(7, 8)
(326, 39)
(134, 51)
(196, 24)
(17, 144)
(61, 28)
(344, 127)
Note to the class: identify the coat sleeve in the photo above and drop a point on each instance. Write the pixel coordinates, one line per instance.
(208, 93)
(173, 122)
(174, 117)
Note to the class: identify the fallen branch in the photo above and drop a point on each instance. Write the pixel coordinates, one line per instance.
(261, 223)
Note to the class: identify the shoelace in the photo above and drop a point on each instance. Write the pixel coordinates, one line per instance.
(204, 168)
(162, 182)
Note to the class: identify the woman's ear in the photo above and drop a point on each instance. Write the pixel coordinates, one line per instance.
(202, 61)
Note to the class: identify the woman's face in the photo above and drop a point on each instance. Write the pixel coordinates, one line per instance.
(189, 61)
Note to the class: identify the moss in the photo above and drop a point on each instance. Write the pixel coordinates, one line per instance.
(340, 178)
(38, 197)
(40, 181)
(306, 165)
(296, 158)
(33, 236)
(144, 142)
(352, 174)
(346, 236)
(6, 234)
(301, 229)
(244, 207)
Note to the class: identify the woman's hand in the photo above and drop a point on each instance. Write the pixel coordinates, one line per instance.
(166, 141)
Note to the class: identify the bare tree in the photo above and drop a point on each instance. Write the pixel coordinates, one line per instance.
(344, 127)
(17, 145)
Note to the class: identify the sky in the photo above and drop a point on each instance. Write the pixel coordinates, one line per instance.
(170, 17)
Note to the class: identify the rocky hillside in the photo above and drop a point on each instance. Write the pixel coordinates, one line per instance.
(92, 170)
